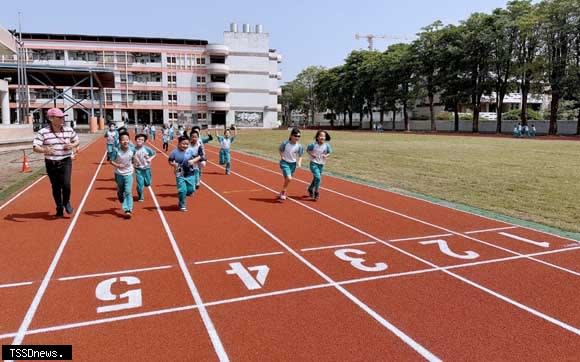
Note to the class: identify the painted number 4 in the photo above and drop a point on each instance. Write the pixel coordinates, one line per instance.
(103, 292)
(247, 278)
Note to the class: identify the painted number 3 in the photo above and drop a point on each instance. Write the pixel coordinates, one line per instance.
(103, 292)
(359, 262)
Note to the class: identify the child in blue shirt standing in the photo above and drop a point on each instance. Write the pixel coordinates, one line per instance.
(122, 159)
(291, 152)
(225, 142)
(142, 160)
(319, 152)
(112, 137)
(182, 160)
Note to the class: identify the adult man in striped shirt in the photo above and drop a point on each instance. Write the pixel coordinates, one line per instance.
(57, 142)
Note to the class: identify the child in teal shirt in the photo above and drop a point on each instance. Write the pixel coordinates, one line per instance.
(319, 152)
(142, 160)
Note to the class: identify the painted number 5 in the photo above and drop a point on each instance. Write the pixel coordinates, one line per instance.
(103, 292)
(359, 262)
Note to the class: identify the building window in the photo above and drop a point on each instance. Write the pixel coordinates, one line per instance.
(202, 116)
(201, 98)
(171, 60)
(201, 79)
(171, 78)
(172, 97)
(172, 115)
(200, 61)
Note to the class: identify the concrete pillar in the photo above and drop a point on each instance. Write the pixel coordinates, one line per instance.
(101, 123)
(135, 115)
(93, 126)
(5, 105)
(150, 116)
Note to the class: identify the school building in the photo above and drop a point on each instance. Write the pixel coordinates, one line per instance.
(160, 80)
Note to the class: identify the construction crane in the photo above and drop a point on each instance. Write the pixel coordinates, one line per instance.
(370, 37)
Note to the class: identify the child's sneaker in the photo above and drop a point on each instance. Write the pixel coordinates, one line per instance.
(140, 200)
(311, 193)
(183, 209)
(282, 196)
(128, 214)
(316, 196)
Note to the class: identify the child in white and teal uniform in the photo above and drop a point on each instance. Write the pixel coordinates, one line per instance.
(112, 137)
(122, 159)
(182, 159)
(142, 160)
(196, 147)
(225, 142)
(290, 156)
(201, 142)
(319, 152)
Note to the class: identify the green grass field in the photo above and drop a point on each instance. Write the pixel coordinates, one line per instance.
(534, 180)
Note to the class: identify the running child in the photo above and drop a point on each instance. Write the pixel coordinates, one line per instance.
(166, 137)
(291, 152)
(181, 159)
(142, 161)
(202, 141)
(319, 151)
(112, 137)
(225, 142)
(196, 148)
(122, 159)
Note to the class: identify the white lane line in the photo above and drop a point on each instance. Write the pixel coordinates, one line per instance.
(34, 183)
(488, 230)
(238, 258)
(22, 192)
(276, 293)
(420, 237)
(551, 265)
(102, 321)
(397, 193)
(543, 244)
(404, 337)
(215, 339)
(114, 273)
(42, 289)
(339, 246)
(539, 314)
(15, 285)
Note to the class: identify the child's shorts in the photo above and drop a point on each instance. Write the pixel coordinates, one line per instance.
(287, 168)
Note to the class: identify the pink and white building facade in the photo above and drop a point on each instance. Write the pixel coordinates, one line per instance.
(162, 80)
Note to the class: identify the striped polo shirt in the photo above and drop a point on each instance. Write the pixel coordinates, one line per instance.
(57, 140)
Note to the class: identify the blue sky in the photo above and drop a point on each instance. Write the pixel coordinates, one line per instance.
(306, 33)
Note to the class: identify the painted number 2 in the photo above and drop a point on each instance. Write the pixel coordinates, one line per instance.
(445, 250)
(359, 262)
(103, 292)
(247, 278)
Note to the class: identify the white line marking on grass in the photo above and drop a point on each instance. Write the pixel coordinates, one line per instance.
(114, 273)
(276, 293)
(431, 224)
(543, 244)
(238, 258)
(215, 339)
(396, 193)
(13, 285)
(32, 184)
(465, 280)
(488, 230)
(339, 246)
(42, 289)
(405, 338)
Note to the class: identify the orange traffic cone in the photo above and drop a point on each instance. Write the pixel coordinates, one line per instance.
(25, 164)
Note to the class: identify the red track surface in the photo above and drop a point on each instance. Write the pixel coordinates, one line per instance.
(361, 274)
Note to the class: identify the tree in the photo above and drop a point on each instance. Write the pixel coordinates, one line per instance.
(504, 31)
(307, 80)
(427, 55)
(478, 40)
(292, 99)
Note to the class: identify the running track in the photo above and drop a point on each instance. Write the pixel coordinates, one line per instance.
(361, 274)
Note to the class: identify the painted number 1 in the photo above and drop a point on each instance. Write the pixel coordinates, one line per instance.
(359, 262)
(103, 292)
(247, 278)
